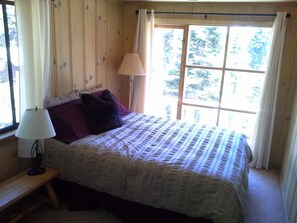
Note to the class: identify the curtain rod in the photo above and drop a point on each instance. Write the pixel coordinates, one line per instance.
(216, 14)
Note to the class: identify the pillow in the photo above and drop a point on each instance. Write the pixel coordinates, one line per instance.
(122, 109)
(103, 112)
(53, 101)
(70, 121)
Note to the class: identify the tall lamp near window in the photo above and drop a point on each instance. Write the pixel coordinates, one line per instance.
(35, 124)
(132, 66)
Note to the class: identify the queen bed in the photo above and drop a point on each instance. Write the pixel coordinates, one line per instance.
(195, 170)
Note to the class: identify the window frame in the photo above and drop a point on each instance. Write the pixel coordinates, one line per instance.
(185, 24)
(14, 124)
(223, 69)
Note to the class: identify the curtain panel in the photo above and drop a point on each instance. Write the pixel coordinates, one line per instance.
(34, 42)
(262, 139)
(34, 39)
(143, 45)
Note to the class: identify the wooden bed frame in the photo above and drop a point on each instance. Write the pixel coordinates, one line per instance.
(79, 197)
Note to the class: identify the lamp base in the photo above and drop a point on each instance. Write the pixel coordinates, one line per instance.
(36, 171)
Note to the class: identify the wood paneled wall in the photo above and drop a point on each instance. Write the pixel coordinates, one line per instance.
(87, 39)
(289, 169)
(10, 164)
(289, 66)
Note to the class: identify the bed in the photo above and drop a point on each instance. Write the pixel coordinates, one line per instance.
(196, 170)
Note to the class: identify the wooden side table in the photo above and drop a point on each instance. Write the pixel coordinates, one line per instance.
(19, 186)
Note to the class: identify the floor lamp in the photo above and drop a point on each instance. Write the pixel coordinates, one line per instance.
(132, 66)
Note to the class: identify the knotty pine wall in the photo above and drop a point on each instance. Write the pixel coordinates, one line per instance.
(10, 164)
(87, 37)
(289, 170)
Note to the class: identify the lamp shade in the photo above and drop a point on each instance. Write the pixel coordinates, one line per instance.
(35, 124)
(131, 65)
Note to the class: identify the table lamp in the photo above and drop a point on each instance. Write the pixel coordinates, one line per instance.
(132, 66)
(36, 124)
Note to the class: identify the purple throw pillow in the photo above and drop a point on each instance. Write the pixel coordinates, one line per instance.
(103, 112)
(122, 109)
(70, 121)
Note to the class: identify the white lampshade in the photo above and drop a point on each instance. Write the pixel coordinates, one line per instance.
(131, 65)
(35, 124)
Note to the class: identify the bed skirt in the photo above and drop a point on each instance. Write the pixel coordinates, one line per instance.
(78, 197)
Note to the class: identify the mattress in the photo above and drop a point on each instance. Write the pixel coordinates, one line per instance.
(200, 171)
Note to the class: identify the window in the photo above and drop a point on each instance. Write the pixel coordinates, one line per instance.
(9, 73)
(211, 74)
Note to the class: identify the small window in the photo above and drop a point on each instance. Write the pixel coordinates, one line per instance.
(9, 68)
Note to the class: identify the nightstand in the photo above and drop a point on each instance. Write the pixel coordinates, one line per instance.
(21, 185)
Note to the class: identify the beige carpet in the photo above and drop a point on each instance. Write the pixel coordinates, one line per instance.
(263, 205)
(264, 202)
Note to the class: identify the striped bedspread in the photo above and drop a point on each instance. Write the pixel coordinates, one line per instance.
(201, 171)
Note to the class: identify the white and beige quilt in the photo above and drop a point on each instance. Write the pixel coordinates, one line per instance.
(201, 171)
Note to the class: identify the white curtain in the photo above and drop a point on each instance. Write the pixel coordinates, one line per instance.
(143, 44)
(34, 39)
(265, 119)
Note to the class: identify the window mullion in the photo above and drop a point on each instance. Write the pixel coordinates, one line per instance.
(227, 69)
(182, 72)
(223, 75)
(224, 109)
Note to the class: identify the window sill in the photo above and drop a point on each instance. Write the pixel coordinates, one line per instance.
(7, 137)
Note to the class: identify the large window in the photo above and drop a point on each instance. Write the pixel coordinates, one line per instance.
(9, 81)
(211, 74)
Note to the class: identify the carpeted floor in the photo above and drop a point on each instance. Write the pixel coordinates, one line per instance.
(263, 205)
(264, 202)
